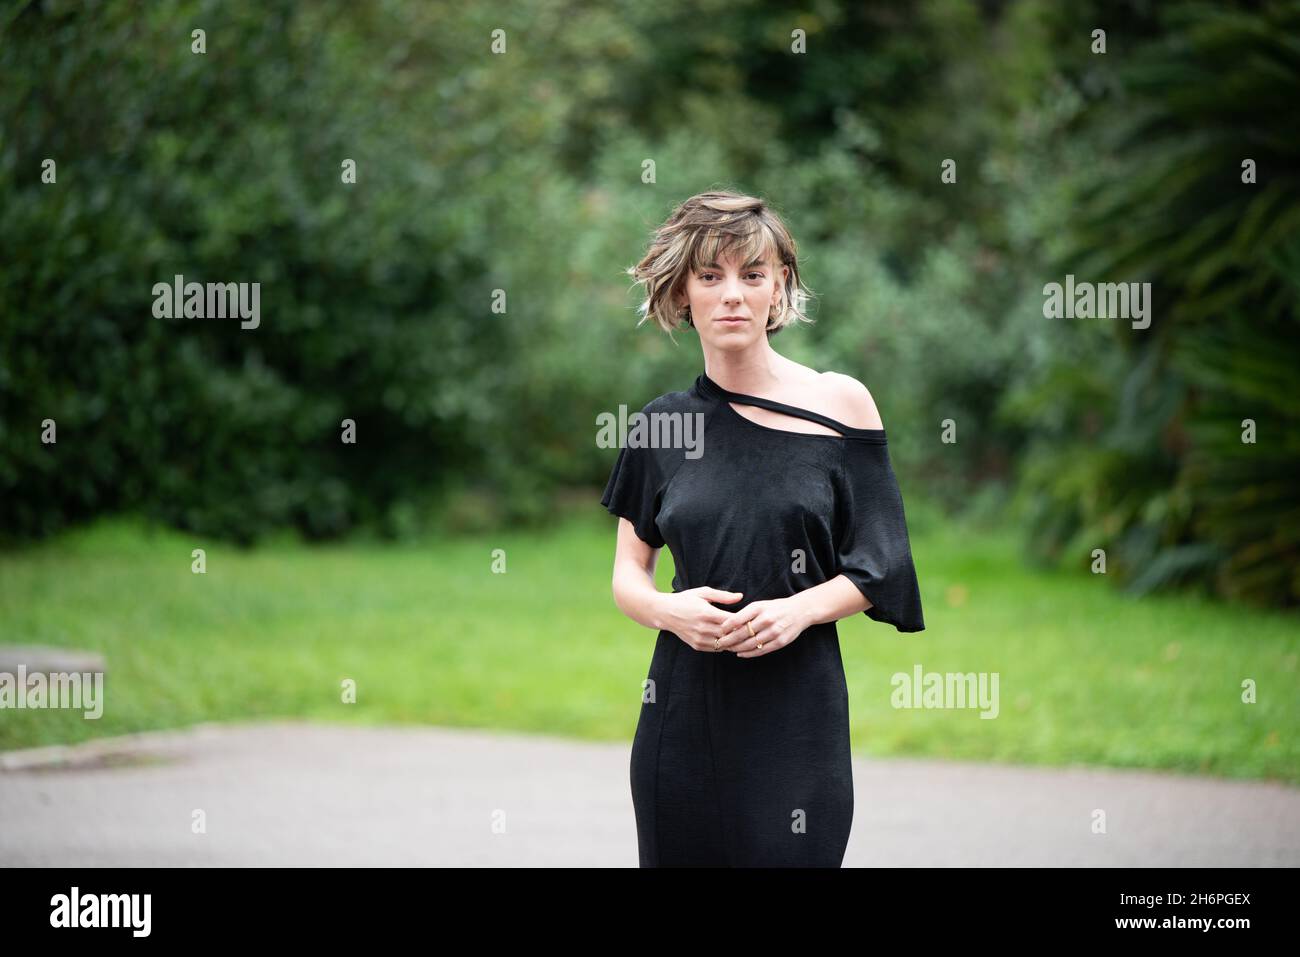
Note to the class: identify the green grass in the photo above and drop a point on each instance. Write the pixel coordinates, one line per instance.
(430, 635)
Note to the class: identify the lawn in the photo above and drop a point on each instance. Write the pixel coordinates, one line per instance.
(431, 635)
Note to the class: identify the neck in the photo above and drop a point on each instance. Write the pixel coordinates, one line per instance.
(752, 372)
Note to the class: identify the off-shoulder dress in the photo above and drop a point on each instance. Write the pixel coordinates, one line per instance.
(745, 762)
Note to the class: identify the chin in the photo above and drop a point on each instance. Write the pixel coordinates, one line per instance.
(735, 341)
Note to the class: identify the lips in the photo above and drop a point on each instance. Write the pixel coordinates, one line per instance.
(733, 319)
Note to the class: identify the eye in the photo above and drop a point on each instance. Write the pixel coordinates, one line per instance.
(758, 274)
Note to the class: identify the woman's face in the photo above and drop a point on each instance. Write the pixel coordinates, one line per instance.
(718, 291)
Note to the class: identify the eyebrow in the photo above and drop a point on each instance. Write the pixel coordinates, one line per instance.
(749, 265)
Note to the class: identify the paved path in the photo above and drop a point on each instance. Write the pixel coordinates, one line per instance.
(293, 793)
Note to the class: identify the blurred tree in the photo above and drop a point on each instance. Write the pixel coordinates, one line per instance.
(1169, 480)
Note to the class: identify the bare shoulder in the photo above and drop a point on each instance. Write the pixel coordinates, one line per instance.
(853, 402)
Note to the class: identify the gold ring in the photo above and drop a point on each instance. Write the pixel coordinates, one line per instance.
(760, 644)
(750, 626)
(715, 643)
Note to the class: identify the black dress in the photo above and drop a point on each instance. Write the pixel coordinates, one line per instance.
(745, 762)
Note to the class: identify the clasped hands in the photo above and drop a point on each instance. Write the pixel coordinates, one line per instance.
(775, 622)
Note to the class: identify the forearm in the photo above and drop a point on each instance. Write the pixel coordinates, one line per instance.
(831, 601)
(636, 595)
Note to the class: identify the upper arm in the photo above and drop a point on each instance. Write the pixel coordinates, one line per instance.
(629, 547)
(856, 406)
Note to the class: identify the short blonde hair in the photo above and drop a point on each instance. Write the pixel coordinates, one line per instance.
(697, 233)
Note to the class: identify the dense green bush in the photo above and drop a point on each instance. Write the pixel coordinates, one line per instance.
(226, 166)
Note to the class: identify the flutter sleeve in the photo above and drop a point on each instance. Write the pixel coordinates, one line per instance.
(872, 547)
(633, 492)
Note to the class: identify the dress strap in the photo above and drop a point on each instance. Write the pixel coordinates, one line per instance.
(740, 398)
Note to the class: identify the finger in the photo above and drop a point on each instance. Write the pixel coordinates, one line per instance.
(734, 634)
(712, 642)
(704, 642)
(768, 637)
(739, 636)
(726, 597)
(738, 622)
(728, 641)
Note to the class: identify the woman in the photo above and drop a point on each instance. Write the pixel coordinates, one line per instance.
(784, 520)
